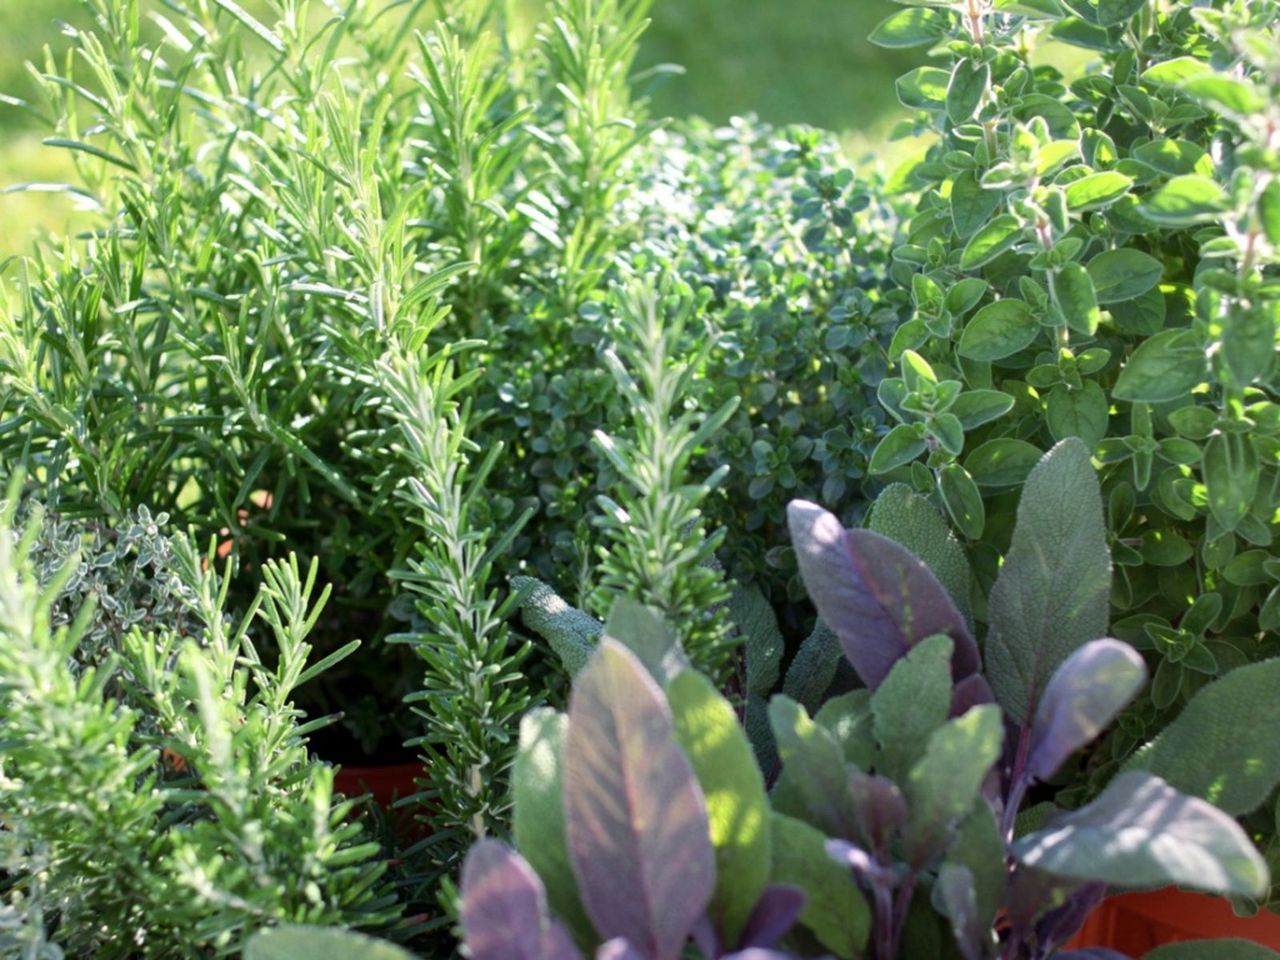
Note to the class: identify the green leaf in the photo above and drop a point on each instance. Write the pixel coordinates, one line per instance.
(289, 942)
(1079, 33)
(953, 896)
(924, 88)
(266, 35)
(1142, 833)
(1160, 548)
(1174, 157)
(1123, 274)
(1072, 291)
(1269, 211)
(960, 496)
(737, 806)
(1052, 155)
(969, 81)
(1052, 593)
(1172, 73)
(1097, 190)
(1231, 477)
(1216, 949)
(571, 634)
(966, 293)
(1226, 94)
(1031, 9)
(995, 238)
(753, 615)
(943, 786)
(643, 631)
(1185, 201)
(1077, 412)
(911, 703)
(911, 28)
(1142, 316)
(835, 909)
(1249, 340)
(82, 147)
(813, 667)
(1223, 747)
(900, 446)
(1003, 462)
(813, 768)
(1114, 12)
(847, 717)
(999, 330)
(979, 846)
(975, 407)
(971, 207)
(1165, 367)
(907, 518)
(537, 779)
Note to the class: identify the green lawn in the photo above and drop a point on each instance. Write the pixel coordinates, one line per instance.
(788, 61)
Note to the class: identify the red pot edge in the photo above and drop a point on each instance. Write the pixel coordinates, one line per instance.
(1136, 922)
(385, 783)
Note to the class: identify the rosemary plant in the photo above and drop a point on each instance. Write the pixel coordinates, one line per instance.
(472, 693)
(658, 551)
(182, 819)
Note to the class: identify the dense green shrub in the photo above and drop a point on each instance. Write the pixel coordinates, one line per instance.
(386, 299)
(161, 801)
(1098, 258)
(209, 354)
(789, 254)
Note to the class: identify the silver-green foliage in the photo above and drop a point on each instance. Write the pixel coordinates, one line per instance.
(473, 692)
(658, 550)
(189, 813)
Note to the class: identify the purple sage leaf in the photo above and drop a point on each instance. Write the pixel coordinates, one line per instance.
(870, 872)
(558, 945)
(776, 912)
(635, 817)
(705, 936)
(618, 949)
(956, 899)
(879, 598)
(756, 953)
(972, 691)
(504, 906)
(880, 807)
(1061, 924)
(1083, 696)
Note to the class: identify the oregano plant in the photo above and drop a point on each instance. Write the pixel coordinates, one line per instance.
(1095, 256)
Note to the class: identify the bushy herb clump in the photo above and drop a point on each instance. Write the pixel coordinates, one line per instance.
(263, 236)
(896, 828)
(159, 799)
(1097, 258)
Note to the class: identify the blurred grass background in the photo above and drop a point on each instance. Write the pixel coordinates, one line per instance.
(789, 61)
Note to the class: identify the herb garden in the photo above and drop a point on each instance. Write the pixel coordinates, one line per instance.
(741, 552)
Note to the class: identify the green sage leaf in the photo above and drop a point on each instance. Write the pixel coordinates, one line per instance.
(1052, 594)
(737, 805)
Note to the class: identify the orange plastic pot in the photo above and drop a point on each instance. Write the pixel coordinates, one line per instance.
(385, 784)
(1134, 923)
